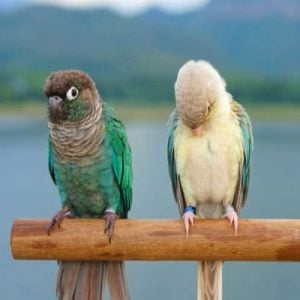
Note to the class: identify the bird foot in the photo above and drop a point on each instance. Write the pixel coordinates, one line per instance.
(188, 219)
(110, 219)
(58, 218)
(232, 216)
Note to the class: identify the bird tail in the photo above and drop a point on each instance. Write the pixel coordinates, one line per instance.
(86, 280)
(210, 280)
(117, 281)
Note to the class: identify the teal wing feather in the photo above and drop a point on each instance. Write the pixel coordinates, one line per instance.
(50, 160)
(175, 178)
(245, 166)
(121, 157)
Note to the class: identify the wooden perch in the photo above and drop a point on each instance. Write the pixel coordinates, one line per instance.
(83, 239)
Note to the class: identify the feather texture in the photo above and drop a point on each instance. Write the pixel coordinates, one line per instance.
(245, 166)
(100, 180)
(209, 152)
(239, 120)
(81, 280)
(210, 280)
(121, 158)
(210, 273)
(175, 179)
(117, 280)
(89, 185)
(90, 163)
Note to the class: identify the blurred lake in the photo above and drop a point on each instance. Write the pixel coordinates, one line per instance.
(27, 192)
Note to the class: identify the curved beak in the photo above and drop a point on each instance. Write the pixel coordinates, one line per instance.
(55, 104)
(197, 131)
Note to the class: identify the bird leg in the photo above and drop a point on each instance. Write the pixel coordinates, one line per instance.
(232, 216)
(188, 218)
(58, 218)
(110, 218)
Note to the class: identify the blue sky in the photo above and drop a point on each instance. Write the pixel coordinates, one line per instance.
(125, 6)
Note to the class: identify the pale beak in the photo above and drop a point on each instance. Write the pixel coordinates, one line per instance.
(197, 131)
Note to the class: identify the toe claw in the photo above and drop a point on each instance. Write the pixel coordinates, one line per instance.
(231, 215)
(110, 218)
(49, 226)
(188, 218)
(58, 218)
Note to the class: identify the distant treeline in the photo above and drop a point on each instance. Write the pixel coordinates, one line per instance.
(21, 86)
(137, 58)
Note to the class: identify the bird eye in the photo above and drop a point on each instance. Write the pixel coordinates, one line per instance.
(72, 93)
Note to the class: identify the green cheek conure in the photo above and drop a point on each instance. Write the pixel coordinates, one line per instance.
(90, 163)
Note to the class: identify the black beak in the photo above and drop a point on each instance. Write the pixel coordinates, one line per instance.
(55, 104)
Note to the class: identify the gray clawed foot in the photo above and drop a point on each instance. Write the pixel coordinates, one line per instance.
(58, 218)
(110, 219)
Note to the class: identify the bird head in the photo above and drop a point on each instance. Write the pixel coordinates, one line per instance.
(198, 87)
(72, 95)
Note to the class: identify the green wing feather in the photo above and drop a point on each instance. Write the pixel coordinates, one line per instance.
(120, 155)
(50, 160)
(108, 178)
(175, 179)
(245, 167)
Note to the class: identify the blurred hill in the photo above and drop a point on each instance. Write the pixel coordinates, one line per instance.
(255, 45)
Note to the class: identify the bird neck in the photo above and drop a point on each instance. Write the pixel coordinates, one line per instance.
(72, 141)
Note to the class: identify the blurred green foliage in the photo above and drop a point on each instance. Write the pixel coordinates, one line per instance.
(27, 85)
(137, 58)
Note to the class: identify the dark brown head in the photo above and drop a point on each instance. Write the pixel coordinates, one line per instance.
(72, 95)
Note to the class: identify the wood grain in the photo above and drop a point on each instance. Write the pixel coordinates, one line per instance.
(155, 240)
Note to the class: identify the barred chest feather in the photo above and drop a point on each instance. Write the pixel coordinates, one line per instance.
(82, 166)
(73, 141)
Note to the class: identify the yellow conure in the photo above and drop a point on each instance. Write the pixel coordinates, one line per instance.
(209, 150)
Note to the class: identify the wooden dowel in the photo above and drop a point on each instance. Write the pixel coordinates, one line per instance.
(84, 239)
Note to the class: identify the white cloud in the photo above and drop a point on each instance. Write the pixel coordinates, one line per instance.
(129, 6)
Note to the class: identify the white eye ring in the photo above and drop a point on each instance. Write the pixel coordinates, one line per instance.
(72, 93)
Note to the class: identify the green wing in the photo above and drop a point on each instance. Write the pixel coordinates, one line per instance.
(175, 179)
(245, 166)
(50, 160)
(120, 155)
